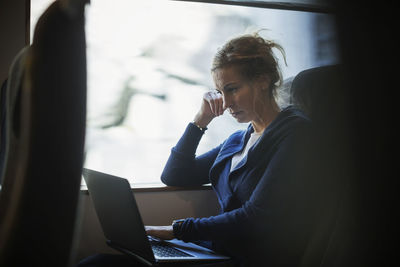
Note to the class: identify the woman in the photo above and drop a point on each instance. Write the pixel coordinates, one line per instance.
(258, 174)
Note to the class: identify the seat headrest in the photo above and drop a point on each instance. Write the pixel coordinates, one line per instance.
(316, 91)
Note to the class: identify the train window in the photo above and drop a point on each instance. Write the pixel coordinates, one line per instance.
(149, 64)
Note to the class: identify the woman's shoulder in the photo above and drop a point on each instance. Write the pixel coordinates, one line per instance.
(292, 112)
(289, 120)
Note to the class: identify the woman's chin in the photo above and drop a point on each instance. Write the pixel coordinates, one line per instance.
(241, 119)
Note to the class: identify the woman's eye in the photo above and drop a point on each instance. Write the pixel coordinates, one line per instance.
(218, 92)
(231, 89)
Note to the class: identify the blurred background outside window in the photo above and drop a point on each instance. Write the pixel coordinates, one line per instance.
(149, 65)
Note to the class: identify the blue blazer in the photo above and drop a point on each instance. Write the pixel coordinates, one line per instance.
(266, 201)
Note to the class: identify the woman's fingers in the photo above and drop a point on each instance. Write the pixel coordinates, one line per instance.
(162, 232)
(209, 100)
(220, 106)
(215, 102)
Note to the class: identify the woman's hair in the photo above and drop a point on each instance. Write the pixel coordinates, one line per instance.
(254, 57)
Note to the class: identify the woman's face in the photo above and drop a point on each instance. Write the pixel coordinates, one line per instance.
(242, 98)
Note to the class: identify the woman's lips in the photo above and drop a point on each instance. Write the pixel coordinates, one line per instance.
(235, 114)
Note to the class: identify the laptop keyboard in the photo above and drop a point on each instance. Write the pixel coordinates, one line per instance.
(164, 250)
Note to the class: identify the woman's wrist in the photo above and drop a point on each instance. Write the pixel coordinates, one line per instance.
(203, 129)
(176, 228)
(201, 122)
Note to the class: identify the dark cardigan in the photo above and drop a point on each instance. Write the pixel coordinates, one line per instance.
(266, 202)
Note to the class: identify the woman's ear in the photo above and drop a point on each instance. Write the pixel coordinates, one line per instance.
(264, 82)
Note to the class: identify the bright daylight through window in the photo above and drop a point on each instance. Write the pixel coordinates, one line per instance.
(149, 64)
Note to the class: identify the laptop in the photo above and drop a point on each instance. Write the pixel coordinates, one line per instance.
(123, 227)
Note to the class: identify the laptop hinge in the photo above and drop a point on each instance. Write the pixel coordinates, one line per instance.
(129, 253)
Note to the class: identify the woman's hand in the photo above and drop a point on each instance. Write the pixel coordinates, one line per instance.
(161, 232)
(211, 107)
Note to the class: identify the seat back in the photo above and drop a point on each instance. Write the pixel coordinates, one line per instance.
(2, 126)
(321, 93)
(46, 115)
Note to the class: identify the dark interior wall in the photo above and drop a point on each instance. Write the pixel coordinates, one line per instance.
(14, 31)
(369, 45)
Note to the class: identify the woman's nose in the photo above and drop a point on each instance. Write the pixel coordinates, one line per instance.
(227, 103)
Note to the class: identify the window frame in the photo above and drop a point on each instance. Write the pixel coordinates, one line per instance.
(316, 8)
(282, 5)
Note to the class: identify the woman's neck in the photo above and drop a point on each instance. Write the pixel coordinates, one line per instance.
(269, 114)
